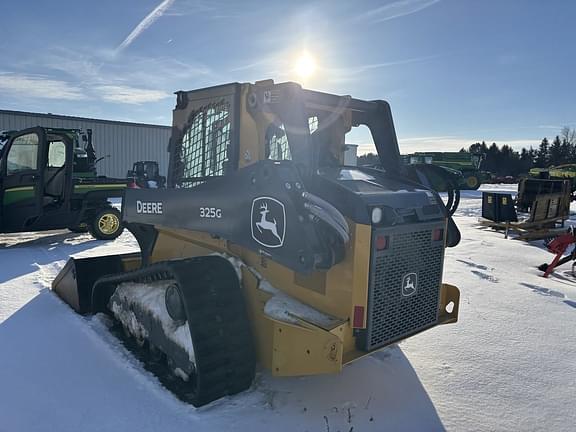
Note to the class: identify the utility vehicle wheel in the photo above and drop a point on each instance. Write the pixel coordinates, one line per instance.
(473, 182)
(106, 225)
(82, 228)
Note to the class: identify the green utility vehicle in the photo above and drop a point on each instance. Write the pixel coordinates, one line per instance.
(466, 163)
(48, 181)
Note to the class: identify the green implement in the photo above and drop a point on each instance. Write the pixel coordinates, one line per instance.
(468, 164)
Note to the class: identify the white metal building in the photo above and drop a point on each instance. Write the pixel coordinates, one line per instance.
(124, 142)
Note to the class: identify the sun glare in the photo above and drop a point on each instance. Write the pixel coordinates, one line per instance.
(305, 65)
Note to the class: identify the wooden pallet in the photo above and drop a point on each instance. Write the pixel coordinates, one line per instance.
(527, 230)
(547, 216)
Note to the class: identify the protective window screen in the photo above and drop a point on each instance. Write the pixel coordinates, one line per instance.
(277, 147)
(204, 148)
(313, 124)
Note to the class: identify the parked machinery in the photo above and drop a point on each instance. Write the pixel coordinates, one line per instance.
(48, 181)
(265, 248)
(146, 175)
(468, 164)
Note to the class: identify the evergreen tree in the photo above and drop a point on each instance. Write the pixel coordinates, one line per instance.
(369, 159)
(478, 148)
(505, 161)
(493, 159)
(526, 160)
(542, 157)
(555, 152)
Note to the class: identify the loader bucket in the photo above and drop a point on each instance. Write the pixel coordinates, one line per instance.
(75, 281)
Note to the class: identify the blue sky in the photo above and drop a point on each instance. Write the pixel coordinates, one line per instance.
(454, 71)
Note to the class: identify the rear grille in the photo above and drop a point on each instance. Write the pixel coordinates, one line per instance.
(411, 257)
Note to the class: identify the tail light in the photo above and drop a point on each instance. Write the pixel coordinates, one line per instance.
(381, 242)
(358, 321)
(437, 234)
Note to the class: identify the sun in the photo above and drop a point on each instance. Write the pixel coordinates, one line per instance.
(305, 65)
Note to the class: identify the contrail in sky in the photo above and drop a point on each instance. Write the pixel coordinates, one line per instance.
(145, 23)
(397, 9)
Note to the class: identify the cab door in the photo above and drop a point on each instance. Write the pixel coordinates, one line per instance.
(21, 182)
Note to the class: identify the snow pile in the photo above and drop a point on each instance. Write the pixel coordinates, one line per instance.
(149, 297)
(285, 308)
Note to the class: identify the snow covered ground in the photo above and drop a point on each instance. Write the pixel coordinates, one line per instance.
(508, 364)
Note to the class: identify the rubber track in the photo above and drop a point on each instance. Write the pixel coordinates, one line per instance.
(217, 317)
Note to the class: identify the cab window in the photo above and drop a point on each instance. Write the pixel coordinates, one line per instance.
(56, 154)
(23, 154)
(277, 147)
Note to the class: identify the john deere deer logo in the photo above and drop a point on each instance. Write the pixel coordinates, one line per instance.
(268, 222)
(409, 284)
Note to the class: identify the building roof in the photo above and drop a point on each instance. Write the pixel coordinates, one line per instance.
(64, 117)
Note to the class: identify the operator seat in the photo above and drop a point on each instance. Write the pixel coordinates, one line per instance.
(54, 186)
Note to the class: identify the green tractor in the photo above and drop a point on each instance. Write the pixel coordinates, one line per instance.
(48, 180)
(468, 164)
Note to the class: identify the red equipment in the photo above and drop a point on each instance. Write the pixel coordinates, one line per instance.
(558, 246)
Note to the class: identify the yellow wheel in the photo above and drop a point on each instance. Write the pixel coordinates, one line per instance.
(472, 182)
(107, 224)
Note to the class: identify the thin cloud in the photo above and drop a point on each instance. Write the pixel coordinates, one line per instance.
(145, 23)
(553, 127)
(37, 86)
(129, 95)
(130, 79)
(253, 65)
(98, 67)
(41, 87)
(279, 67)
(352, 72)
(396, 9)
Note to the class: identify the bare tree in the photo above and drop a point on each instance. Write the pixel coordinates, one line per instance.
(569, 135)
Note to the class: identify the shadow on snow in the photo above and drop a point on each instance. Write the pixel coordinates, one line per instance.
(51, 354)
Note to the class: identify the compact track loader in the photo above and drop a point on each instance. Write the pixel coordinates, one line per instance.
(265, 249)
